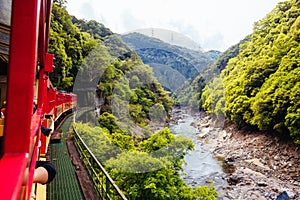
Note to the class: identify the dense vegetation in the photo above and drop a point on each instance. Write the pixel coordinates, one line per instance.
(69, 45)
(104, 72)
(261, 84)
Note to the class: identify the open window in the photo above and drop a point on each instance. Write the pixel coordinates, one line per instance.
(5, 21)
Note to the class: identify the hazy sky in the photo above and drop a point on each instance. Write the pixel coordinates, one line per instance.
(214, 24)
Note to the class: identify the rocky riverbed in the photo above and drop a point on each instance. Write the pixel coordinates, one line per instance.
(257, 165)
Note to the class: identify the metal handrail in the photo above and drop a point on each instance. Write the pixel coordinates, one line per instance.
(103, 183)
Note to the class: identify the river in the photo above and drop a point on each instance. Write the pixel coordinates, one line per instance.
(201, 166)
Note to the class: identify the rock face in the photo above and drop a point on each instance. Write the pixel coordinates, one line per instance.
(262, 166)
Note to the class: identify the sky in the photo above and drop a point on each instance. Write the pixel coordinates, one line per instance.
(213, 24)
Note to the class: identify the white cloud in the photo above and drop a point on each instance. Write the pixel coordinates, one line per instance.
(215, 24)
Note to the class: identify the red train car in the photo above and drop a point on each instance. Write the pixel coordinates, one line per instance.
(25, 65)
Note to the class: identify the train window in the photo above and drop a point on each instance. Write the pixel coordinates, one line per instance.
(5, 17)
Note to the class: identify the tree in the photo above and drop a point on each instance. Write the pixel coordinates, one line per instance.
(69, 46)
(260, 81)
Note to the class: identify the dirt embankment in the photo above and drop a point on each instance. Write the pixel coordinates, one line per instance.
(258, 165)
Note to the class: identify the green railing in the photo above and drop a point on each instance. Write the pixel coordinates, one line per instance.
(104, 185)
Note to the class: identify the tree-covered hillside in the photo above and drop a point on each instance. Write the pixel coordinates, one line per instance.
(262, 83)
(69, 45)
(189, 94)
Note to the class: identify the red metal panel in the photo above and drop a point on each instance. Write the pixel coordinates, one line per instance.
(42, 95)
(22, 67)
(51, 100)
(49, 62)
(20, 93)
(43, 82)
(12, 174)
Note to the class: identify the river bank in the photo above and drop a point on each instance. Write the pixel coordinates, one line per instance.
(257, 165)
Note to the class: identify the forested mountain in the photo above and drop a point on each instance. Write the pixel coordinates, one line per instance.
(171, 64)
(106, 74)
(191, 91)
(116, 47)
(262, 83)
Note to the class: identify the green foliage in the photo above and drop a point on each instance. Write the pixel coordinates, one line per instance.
(95, 137)
(267, 71)
(195, 92)
(94, 28)
(213, 98)
(94, 65)
(153, 171)
(157, 141)
(262, 82)
(124, 142)
(108, 121)
(130, 91)
(160, 184)
(69, 45)
(157, 113)
(213, 94)
(135, 162)
(190, 93)
(149, 170)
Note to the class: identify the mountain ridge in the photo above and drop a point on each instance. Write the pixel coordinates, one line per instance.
(170, 37)
(189, 63)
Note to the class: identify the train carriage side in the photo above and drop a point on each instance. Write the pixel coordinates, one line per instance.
(25, 65)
